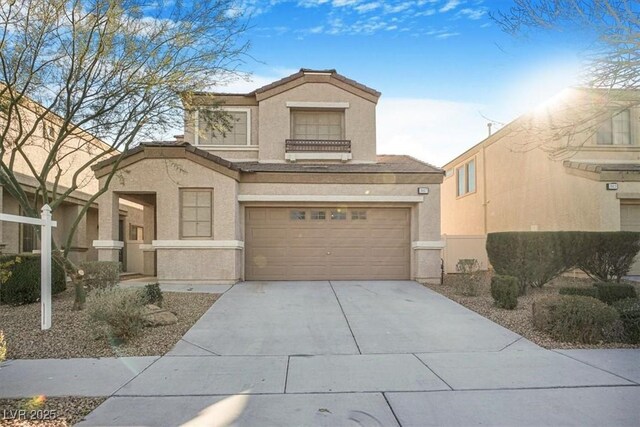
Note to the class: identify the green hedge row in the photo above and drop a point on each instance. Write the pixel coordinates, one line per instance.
(23, 283)
(537, 257)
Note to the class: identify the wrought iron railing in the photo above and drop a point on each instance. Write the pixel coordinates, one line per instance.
(317, 146)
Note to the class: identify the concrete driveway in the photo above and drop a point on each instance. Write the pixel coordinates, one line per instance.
(370, 354)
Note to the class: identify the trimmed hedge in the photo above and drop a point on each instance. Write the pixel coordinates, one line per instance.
(607, 256)
(629, 311)
(574, 318)
(612, 292)
(585, 292)
(535, 258)
(505, 290)
(23, 284)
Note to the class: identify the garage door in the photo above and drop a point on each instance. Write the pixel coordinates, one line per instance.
(327, 243)
(630, 221)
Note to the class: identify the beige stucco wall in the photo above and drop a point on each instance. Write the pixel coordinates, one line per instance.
(275, 125)
(165, 178)
(528, 190)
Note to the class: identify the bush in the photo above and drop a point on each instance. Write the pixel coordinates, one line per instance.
(22, 285)
(3, 347)
(629, 311)
(100, 274)
(606, 256)
(585, 292)
(151, 294)
(534, 258)
(470, 280)
(612, 292)
(115, 314)
(505, 290)
(577, 318)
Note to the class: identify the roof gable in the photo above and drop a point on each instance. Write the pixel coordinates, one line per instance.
(317, 76)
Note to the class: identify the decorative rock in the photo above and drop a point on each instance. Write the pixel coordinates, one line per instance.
(156, 316)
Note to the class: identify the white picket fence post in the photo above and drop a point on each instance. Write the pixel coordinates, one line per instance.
(45, 224)
(45, 268)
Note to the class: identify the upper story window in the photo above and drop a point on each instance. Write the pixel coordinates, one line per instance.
(317, 125)
(466, 178)
(238, 132)
(616, 130)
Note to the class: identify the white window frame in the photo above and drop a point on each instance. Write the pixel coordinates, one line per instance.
(196, 138)
(465, 168)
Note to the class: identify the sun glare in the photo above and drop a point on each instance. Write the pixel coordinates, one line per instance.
(540, 86)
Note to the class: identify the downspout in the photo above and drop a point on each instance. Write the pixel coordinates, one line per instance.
(484, 184)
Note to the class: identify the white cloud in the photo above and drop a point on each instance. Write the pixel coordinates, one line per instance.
(450, 5)
(367, 7)
(474, 14)
(429, 129)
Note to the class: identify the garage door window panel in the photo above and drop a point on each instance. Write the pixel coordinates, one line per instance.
(196, 216)
(338, 215)
(297, 215)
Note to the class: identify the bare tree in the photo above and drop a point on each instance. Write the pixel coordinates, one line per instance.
(89, 79)
(611, 75)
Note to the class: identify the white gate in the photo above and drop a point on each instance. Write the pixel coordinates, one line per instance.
(45, 224)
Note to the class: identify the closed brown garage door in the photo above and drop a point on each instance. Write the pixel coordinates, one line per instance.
(630, 221)
(327, 243)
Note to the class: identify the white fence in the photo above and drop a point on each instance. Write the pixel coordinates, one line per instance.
(45, 224)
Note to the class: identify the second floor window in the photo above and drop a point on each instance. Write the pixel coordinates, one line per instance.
(236, 134)
(466, 178)
(317, 125)
(616, 130)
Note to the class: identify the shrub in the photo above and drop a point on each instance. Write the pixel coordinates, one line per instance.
(577, 318)
(22, 285)
(505, 290)
(3, 347)
(534, 258)
(629, 311)
(100, 274)
(115, 313)
(612, 292)
(607, 256)
(470, 280)
(151, 294)
(585, 292)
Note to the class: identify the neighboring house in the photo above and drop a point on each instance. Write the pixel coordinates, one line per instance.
(77, 150)
(571, 164)
(294, 190)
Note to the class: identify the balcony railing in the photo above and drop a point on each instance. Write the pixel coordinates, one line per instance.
(317, 146)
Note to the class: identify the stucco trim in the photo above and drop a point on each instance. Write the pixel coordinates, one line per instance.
(428, 244)
(292, 157)
(108, 244)
(197, 244)
(306, 104)
(329, 199)
(627, 195)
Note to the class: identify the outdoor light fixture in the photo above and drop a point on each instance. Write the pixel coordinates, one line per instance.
(612, 185)
(423, 190)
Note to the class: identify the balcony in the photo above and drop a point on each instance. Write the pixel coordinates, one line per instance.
(311, 149)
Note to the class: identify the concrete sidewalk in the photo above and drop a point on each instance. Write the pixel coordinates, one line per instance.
(345, 353)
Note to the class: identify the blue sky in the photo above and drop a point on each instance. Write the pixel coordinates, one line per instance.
(443, 66)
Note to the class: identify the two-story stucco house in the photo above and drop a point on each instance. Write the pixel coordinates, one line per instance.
(294, 190)
(572, 164)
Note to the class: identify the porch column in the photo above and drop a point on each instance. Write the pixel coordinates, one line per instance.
(148, 252)
(2, 244)
(108, 215)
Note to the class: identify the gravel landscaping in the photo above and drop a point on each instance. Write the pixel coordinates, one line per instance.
(70, 335)
(61, 411)
(518, 320)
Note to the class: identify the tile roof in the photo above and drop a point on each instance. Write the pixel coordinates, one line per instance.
(384, 164)
(603, 167)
